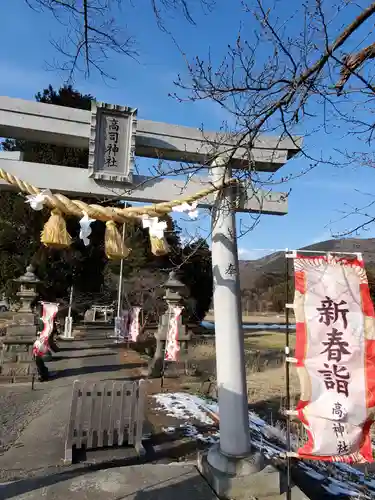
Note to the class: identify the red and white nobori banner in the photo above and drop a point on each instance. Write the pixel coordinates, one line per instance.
(172, 345)
(335, 353)
(49, 313)
(122, 324)
(125, 323)
(134, 326)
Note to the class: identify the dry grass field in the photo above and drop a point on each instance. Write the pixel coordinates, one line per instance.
(265, 367)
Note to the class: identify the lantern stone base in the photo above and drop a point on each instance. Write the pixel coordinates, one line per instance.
(16, 360)
(155, 367)
(158, 368)
(16, 363)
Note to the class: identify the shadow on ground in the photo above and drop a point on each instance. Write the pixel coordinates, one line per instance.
(161, 447)
(60, 358)
(71, 347)
(191, 487)
(84, 370)
(184, 488)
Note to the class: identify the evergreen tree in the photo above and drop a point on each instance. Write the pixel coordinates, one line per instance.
(50, 153)
(20, 226)
(197, 276)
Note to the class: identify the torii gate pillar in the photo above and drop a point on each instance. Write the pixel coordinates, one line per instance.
(231, 383)
(233, 456)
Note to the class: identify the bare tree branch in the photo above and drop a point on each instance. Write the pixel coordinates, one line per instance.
(94, 34)
(300, 79)
(295, 71)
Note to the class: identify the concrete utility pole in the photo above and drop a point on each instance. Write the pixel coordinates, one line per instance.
(68, 325)
(119, 292)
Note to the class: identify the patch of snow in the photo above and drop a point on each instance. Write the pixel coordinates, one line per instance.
(336, 487)
(255, 420)
(168, 430)
(370, 483)
(187, 406)
(314, 474)
(183, 406)
(190, 408)
(269, 450)
(190, 430)
(348, 469)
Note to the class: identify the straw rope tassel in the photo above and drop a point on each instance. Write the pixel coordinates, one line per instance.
(115, 247)
(54, 233)
(159, 246)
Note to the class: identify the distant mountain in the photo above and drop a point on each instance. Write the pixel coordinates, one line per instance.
(274, 264)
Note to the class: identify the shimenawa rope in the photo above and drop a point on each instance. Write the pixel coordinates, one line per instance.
(54, 233)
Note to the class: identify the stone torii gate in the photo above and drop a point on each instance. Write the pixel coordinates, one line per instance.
(114, 136)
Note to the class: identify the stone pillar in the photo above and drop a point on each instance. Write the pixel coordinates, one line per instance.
(16, 359)
(174, 296)
(230, 357)
(227, 463)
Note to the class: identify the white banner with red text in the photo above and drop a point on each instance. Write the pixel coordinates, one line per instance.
(133, 322)
(50, 310)
(172, 344)
(122, 325)
(335, 357)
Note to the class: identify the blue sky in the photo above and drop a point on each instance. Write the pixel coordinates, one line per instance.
(317, 199)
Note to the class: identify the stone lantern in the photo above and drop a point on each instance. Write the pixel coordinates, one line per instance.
(16, 360)
(175, 290)
(27, 289)
(175, 293)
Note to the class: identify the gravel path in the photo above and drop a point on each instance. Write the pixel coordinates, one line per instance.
(18, 406)
(33, 422)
